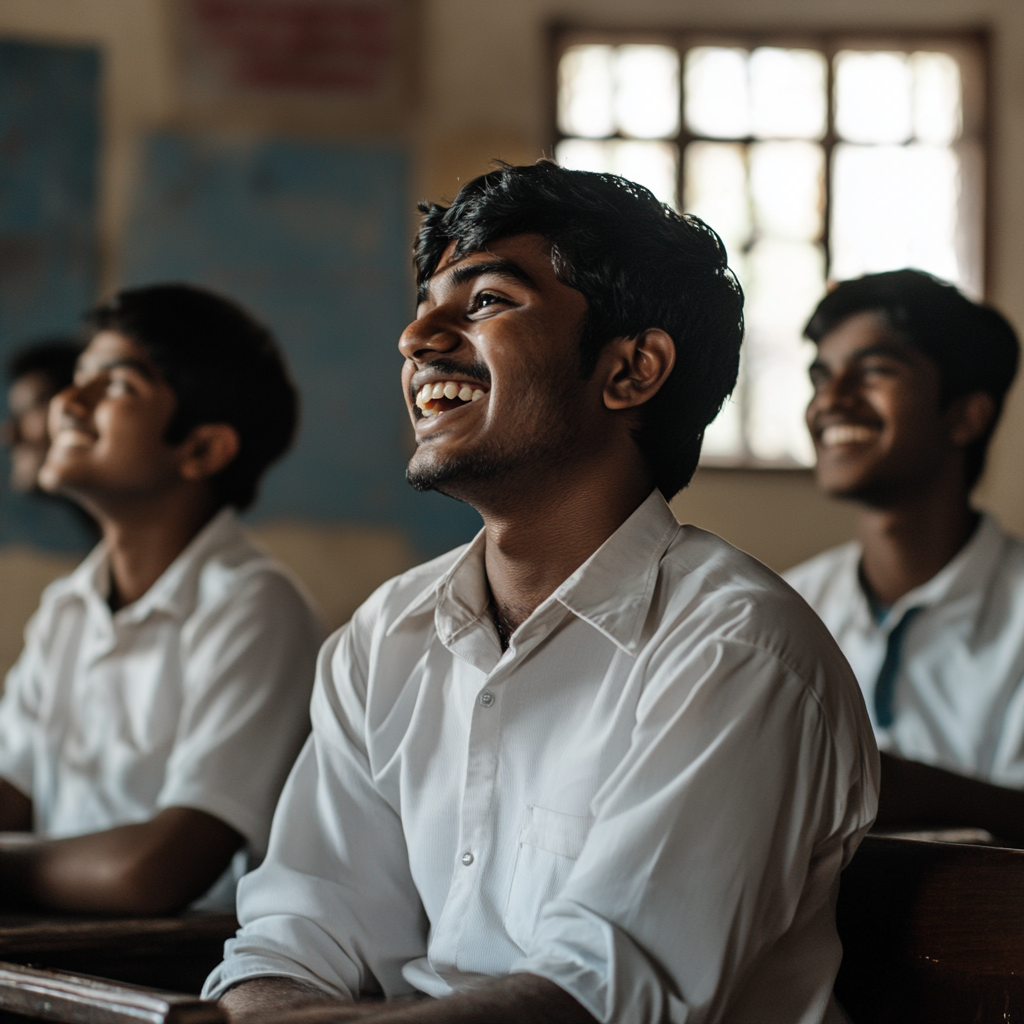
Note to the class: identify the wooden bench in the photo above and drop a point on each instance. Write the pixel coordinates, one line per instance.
(932, 933)
(173, 953)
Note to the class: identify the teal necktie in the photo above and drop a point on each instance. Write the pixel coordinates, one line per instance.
(885, 685)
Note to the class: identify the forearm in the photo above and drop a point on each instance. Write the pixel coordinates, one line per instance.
(509, 1000)
(279, 999)
(153, 867)
(918, 794)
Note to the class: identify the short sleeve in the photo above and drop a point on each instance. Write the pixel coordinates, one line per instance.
(20, 710)
(249, 668)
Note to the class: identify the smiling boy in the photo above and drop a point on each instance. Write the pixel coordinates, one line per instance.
(593, 765)
(928, 603)
(162, 694)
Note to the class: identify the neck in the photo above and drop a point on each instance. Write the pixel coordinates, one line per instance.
(906, 544)
(144, 542)
(540, 535)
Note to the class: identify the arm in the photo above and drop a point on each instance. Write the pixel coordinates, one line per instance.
(15, 809)
(155, 867)
(509, 1000)
(918, 794)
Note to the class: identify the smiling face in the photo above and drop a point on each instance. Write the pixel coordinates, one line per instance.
(879, 429)
(108, 427)
(496, 341)
(28, 401)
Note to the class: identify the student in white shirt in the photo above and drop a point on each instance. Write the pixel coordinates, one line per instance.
(928, 603)
(162, 694)
(594, 764)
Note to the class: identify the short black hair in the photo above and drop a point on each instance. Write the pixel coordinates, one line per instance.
(223, 366)
(638, 264)
(52, 357)
(972, 344)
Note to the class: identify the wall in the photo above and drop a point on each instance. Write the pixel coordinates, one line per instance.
(482, 93)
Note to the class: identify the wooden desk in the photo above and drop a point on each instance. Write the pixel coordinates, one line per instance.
(172, 953)
(932, 934)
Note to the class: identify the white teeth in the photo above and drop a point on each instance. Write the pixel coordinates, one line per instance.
(450, 389)
(848, 433)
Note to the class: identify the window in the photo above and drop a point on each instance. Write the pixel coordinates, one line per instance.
(815, 160)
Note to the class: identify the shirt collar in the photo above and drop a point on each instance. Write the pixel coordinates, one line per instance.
(174, 590)
(612, 590)
(963, 574)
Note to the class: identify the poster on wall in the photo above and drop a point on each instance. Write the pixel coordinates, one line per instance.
(351, 54)
(315, 238)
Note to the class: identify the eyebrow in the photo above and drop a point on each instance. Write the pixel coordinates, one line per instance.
(138, 365)
(470, 271)
(882, 348)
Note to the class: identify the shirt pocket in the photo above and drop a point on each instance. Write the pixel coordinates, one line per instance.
(549, 843)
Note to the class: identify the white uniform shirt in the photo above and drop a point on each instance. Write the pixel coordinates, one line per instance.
(646, 799)
(958, 700)
(195, 695)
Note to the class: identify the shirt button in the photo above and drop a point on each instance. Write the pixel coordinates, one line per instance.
(486, 698)
(467, 859)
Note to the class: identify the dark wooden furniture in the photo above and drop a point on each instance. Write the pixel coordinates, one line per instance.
(173, 953)
(28, 994)
(932, 933)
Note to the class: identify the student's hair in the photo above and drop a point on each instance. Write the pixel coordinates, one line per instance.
(54, 358)
(223, 366)
(973, 345)
(638, 264)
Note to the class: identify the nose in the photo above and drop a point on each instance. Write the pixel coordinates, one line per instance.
(837, 392)
(427, 334)
(73, 403)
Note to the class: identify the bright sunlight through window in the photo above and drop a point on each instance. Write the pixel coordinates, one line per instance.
(812, 163)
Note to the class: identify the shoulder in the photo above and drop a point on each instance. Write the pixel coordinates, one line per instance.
(241, 577)
(716, 598)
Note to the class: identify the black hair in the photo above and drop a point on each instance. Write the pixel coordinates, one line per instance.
(638, 264)
(972, 344)
(52, 357)
(223, 366)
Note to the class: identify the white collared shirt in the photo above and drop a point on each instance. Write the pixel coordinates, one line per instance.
(959, 699)
(195, 695)
(646, 799)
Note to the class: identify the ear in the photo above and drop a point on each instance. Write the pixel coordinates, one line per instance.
(969, 417)
(636, 368)
(207, 450)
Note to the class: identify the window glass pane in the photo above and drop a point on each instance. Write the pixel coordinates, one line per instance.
(787, 93)
(784, 280)
(652, 164)
(893, 207)
(585, 91)
(873, 96)
(937, 104)
(724, 437)
(715, 176)
(647, 91)
(716, 94)
(786, 184)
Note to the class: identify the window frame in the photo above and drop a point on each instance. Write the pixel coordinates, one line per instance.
(971, 48)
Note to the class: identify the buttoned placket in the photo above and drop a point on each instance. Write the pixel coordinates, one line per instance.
(475, 828)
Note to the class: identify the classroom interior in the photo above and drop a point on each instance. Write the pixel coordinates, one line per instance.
(299, 198)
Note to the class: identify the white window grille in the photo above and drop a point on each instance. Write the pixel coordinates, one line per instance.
(815, 161)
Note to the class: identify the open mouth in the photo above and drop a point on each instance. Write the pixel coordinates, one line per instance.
(848, 433)
(443, 396)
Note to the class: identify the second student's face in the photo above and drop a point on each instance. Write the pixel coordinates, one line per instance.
(876, 417)
(108, 427)
(501, 332)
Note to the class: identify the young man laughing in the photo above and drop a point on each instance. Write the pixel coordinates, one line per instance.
(928, 603)
(162, 694)
(593, 765)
